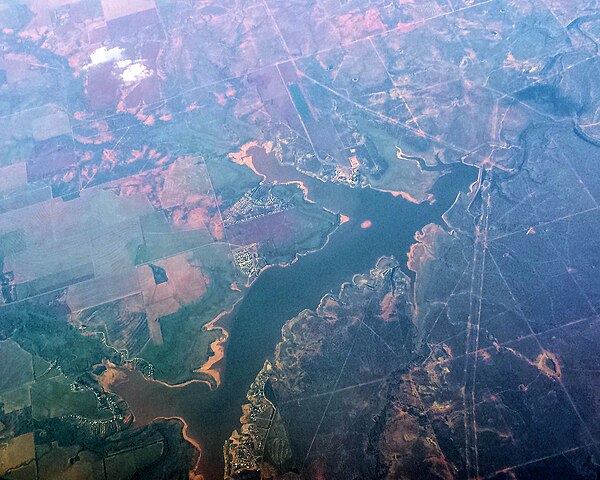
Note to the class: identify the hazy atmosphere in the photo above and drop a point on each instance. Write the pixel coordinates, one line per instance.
(299, 239)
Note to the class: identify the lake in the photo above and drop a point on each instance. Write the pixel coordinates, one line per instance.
(280, 293)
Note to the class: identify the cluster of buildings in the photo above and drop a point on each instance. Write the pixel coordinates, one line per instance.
(244, 449)
(247, 260)
(256, 203)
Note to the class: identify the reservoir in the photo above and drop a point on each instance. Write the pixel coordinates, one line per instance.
(280, 293)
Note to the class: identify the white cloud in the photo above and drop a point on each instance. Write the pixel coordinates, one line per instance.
(105, 55)
(128, 70)
(135, 72)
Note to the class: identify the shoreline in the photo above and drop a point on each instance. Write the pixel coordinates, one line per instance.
(115, 376)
